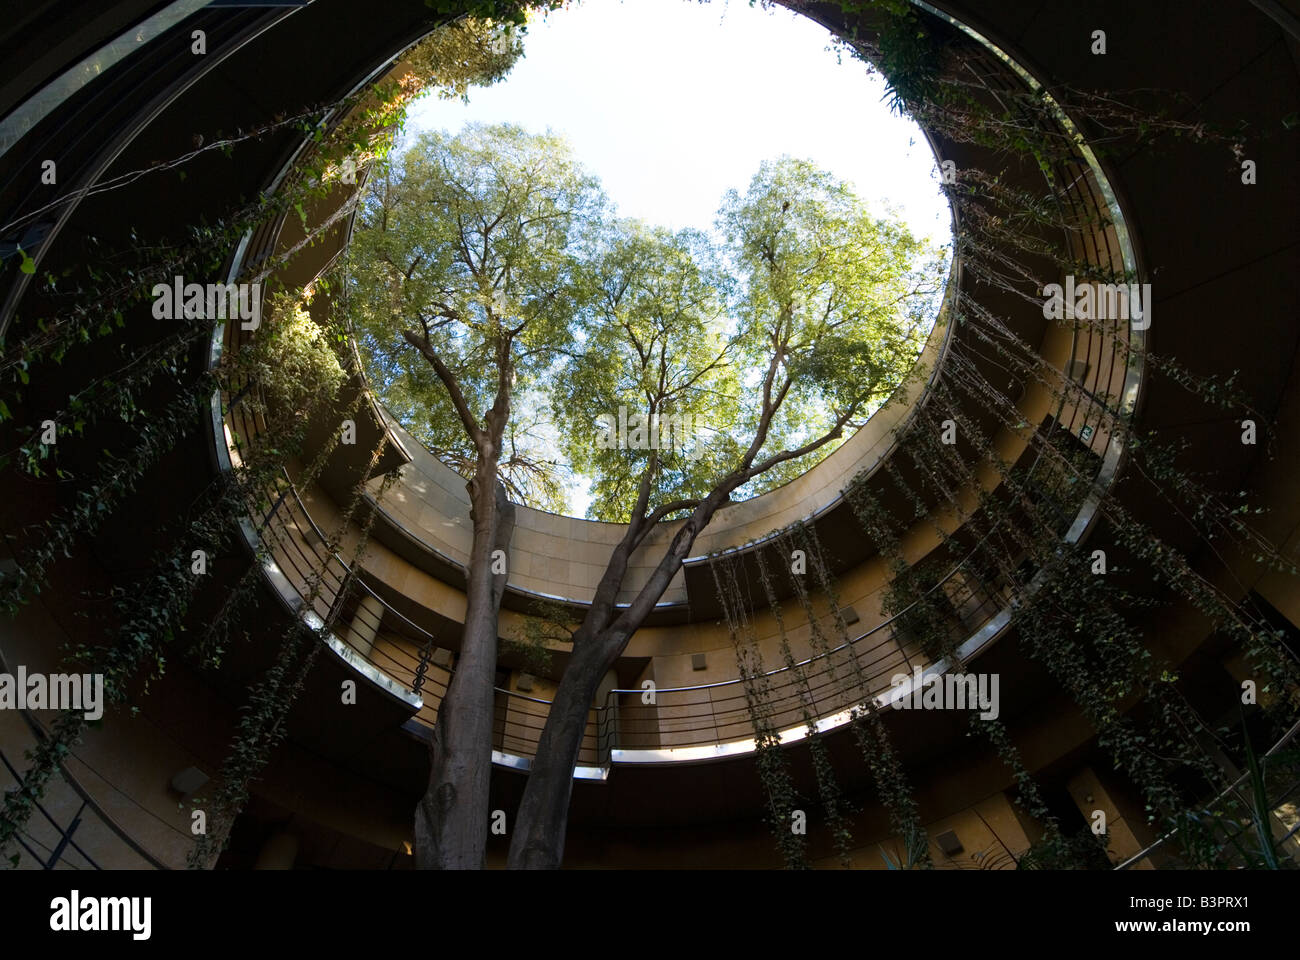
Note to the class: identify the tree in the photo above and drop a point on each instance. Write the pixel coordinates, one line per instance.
(655, 365)
(462, 284)
(828, 315)
(470, 52)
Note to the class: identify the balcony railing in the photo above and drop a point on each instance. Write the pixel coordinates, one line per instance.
(701, 721)
(69, 830)
(707, 720)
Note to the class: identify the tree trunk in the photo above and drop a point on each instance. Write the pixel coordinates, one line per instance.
(540, 825)
(543, 816)
(451, 820)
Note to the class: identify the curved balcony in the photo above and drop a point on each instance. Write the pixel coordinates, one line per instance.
(364, 626)
(392, 639)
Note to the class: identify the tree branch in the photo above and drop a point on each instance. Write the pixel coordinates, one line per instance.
(448, 379)
(833, 434)
(659, 513)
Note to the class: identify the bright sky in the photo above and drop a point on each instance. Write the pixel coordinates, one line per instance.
(673, 102)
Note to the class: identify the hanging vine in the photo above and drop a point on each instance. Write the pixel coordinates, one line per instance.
(290, 369)
(262, 724)
(827, 788)
(773, 770)
(869, 731)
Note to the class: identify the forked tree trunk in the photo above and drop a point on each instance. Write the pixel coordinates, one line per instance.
(543, 816)
(542, 819)
(451, 820)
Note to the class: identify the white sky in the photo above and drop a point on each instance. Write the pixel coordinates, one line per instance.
(673, 102)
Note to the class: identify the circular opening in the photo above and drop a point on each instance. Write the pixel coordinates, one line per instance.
(733, 170)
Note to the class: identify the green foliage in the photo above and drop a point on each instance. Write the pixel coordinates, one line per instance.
(916, 853)
(808, 292)
(291, 360)
(654, 343)
(828, 789)
(582, 315)
(470, 244)
(1235, 828)
(840, 299)
(549, 623)
(770, 759)
(910, 53)
(1261, 815)
(514, 12)
(469, 52)
(263, 717)
(1083, 850)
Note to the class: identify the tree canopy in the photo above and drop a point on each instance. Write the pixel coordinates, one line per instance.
(470, 52)
(786, 326)
(474, 243)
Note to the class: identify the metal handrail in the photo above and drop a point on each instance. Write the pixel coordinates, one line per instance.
(337, 576)
(1143, 854)
(1093, 195)
(65, 833)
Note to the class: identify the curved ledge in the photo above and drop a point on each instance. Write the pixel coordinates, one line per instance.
(561, 558)
(434, 496)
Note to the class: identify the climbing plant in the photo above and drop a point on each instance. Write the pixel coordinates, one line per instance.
(1002, 529)
(773, 768)
(149, 393)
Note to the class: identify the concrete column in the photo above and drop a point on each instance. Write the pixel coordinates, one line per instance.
(365, 624)
(1090, 795)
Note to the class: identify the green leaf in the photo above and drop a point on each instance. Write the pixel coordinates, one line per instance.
(1260, 812)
